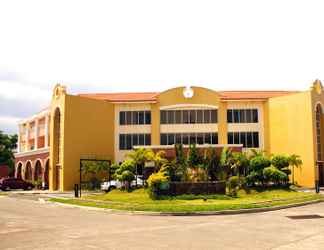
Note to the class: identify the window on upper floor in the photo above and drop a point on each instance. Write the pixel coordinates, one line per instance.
(188, 138)
(242, 116)
(134, 117)
(194, 116)
(127, 141)
(248, 139)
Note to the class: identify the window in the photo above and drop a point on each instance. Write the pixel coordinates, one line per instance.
(127, 141)
(141, 118)
(134, 117)
(188, 116)
(248, 139)
(186, 139)
(122, 118)
(242, 116)
(163, 117)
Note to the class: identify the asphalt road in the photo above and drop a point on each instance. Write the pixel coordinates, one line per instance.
(29, 224)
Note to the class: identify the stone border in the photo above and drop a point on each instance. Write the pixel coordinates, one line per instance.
(202, 213)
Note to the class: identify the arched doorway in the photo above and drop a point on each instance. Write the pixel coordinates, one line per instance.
(38, 170)
(57, 149)
(46, 171)
(19, 170)
(28, 171)
(319, 141)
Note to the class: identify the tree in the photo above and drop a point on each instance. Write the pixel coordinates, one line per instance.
(226, 163)
(95, 168)
(193, 156)
(212, 161)
(8, 143)
(125, 173)
(294, 161)
(240, 163)
(180, 165)
(139, 157)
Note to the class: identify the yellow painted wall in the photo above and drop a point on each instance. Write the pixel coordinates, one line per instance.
(88, 130)
(290, 131)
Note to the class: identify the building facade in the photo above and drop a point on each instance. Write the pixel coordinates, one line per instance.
(109, 125)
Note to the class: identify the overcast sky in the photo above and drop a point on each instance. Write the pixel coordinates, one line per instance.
(103, 46)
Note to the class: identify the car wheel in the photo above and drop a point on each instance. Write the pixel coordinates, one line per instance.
(111, 188)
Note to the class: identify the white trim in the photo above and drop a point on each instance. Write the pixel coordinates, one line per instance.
(244, 100)
(188, 105)
(32, 152)
(137, 102)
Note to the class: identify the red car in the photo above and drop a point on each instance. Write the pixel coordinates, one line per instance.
(15, 183)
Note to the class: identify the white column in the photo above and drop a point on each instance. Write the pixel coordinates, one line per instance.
(27, 136)
(36, 134)
(46, 130)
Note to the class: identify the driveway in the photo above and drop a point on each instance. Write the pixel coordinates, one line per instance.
(29, 224)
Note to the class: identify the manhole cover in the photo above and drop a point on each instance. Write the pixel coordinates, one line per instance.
(305, 217)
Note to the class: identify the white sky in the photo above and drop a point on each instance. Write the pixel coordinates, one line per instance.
(102, 46)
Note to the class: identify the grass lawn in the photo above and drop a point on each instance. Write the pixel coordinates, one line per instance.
(139, 200)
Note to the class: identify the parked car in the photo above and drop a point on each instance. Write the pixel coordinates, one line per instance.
(15, 183)
(113, 184)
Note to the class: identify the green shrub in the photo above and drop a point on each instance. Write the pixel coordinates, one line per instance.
(274, 175)
(233, 185)
(280, 161)
(157, 181)
(125, 173)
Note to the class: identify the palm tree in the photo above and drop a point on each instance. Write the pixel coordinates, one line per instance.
(240, 162)
(294, 161)
(226, 162)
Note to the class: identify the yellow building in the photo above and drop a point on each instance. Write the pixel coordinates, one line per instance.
(109, 125)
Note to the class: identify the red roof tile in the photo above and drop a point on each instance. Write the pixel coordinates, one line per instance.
(152, 96)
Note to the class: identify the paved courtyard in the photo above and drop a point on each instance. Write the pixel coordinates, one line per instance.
(30, 224)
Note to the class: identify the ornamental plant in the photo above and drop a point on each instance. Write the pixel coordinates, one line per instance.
(156, 182)
(125, 173)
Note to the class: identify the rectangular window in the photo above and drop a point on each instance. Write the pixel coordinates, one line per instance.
(140, 117)
(230, 138)
(206, 116)
(163, 118)
(207, 138)
(200, 138)
(229, 115)
(199, 116)
(178, 115)
(147, 117)
(242, 116)
(171, 140)
(164, 139)
(135, 118)
(255, 116)
(248, 139)
(170, 117)
(185, 139)
(213, 114)
(255, 139)
(141, 140)
(214, 137)
(134, 139)
(192, 114)
(249, 116)
(185, 115)
(192, 139)
(128, 141)
(236, 116)
(128, 117)
(147, 139)
(178, 139)
(122, 118)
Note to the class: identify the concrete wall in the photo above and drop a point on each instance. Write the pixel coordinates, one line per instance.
(291, 132)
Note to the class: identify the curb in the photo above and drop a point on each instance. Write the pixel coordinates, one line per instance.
(202, 213)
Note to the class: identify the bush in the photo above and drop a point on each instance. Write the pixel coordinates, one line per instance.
(125, 173)
(280, 161)
(156, 182)
(274, 175)
(233, 185)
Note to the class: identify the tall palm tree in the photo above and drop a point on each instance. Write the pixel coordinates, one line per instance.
(294, 161)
